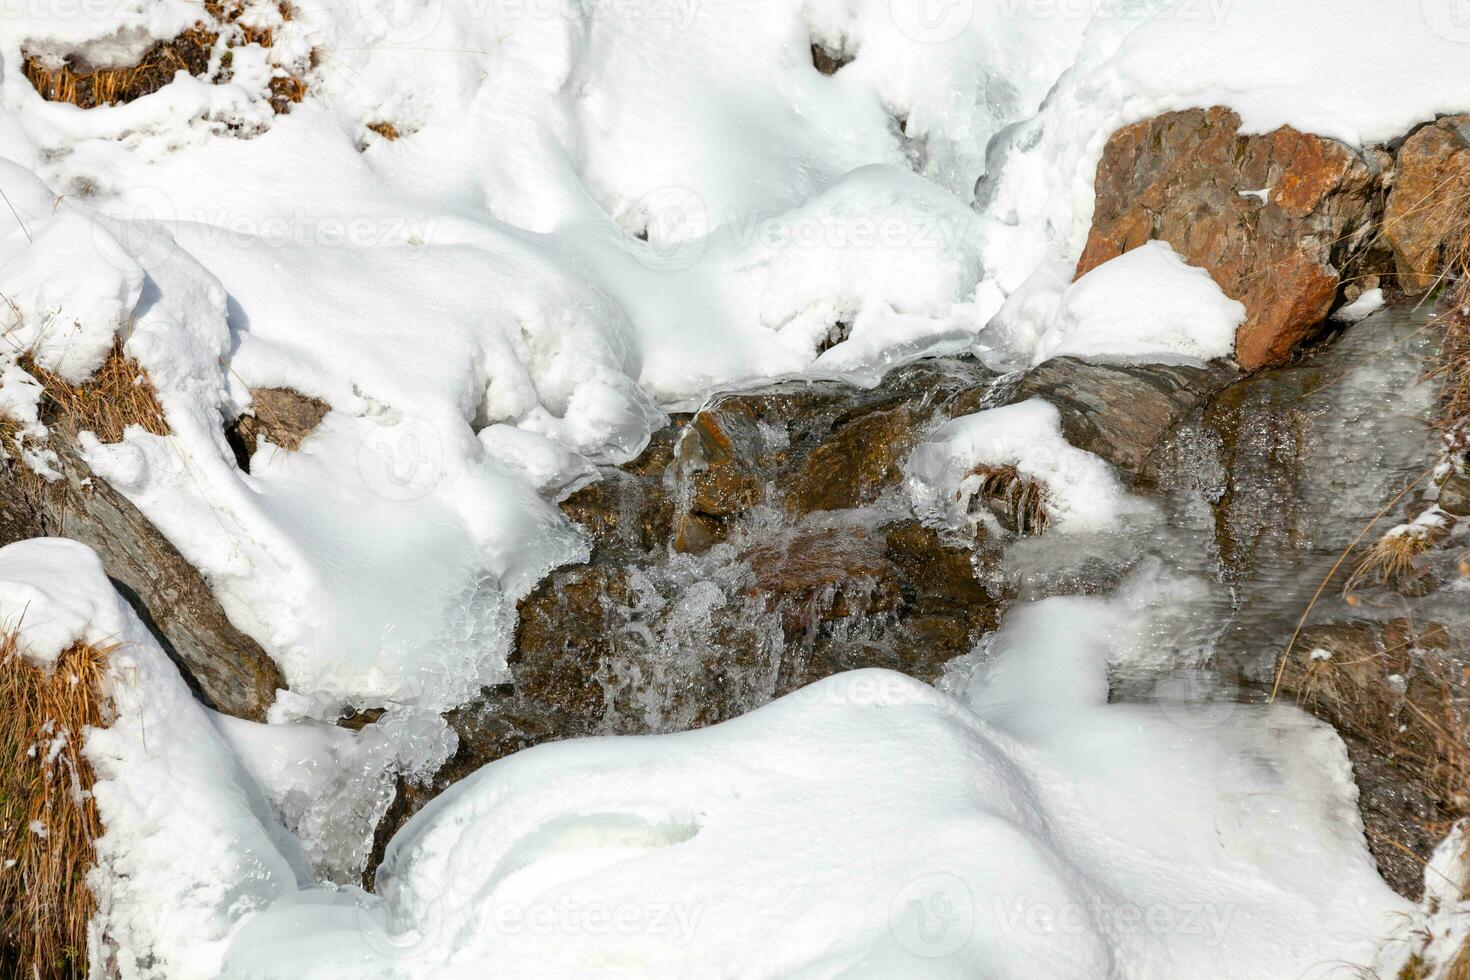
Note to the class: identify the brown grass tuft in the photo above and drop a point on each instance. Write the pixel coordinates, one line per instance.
(384, 129)
(45, 782)
(118, 395)
(89, 88)
(1019, 502)
(1392, 559)
(286, 91)
(191, 51)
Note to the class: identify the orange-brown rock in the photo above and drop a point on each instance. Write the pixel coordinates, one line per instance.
(1428, 210)
(1274, 218)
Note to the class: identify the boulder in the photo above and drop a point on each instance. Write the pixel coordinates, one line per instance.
(1122, 412)
(282, 416)
(1427, 215)
(227, 669)
(1278, 219)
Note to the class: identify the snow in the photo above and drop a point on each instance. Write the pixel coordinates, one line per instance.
(595, 215)
(475, 300)
(1370, 302)
(69, 290)
(1304, 64)
(870, 825)
(1081, 490)
(1428, 940)
(41, 603)
(1147, 306)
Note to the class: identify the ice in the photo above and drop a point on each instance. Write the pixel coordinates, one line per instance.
(594, 214)
(1081, 490)
(883, 829)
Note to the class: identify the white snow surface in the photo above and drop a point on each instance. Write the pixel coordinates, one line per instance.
(596, 213)
(593, 212)
(871, 826)
(1146, 306)
(1081, 490)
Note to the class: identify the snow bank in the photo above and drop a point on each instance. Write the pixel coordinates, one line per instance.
(207, 819)
(872, 826)
(190, 845)
(1146, 306)
(1081, 491)
(42, 602)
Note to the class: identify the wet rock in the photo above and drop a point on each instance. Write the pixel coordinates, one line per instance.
(818, 446)
(280, 415)
(569, 625)
(493, 726)
(852, 467)
(827, 574)
(1426, 214)
(227, 669)
(1277, 219)
(1454, 495)
(1397, 690)
(718, 460)
(1122, 412)
(630, 507)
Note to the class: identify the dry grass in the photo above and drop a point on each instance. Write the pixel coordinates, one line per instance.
(188, 52)
(48, 819)
(1453, 369)
(1392, 559)
(1017, 500)
(118, 395)
(384, 129)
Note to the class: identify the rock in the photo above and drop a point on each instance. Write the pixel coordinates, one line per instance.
(1454, 495)
(630, 507)
(568, 626)
(1277, 219)
(1426, 212)
(493, 726)
(283, 416)
(853, 466)
(820, 576)
(227, 669)
(717, 470)
(1122, 412)
(1392, 688)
